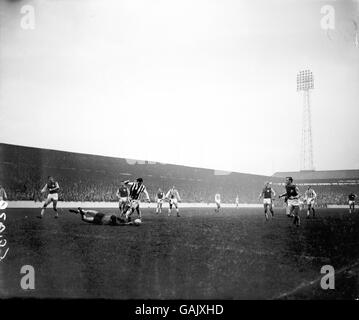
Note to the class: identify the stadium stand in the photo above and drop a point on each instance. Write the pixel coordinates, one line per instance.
(321, 175)
(83, 177)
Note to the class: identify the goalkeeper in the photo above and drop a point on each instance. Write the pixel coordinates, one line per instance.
(96, 217)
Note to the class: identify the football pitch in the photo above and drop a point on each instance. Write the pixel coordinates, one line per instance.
(233, 254)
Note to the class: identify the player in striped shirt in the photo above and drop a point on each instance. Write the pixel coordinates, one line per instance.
(173, 197)
(309, 197)
(160, 195)
(268, 194)
(136, 188)
(53, 188)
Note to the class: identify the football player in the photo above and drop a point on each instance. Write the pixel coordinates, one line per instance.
(173, 197)
(309, 197)
(160, 195)
(136, 188)
(122, 194)
(293, 195)
(268, 194)
(237, 201)
(217, 200)
(96, 217)
(53, 188)
(351, 199)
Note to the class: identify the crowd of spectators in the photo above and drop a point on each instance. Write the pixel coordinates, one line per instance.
(22, 183)
(24, 171)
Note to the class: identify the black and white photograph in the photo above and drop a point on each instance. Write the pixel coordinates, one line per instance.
(177, 150)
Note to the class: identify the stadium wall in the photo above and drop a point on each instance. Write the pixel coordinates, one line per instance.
(114, 205)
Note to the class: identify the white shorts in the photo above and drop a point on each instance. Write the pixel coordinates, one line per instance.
(351, 202)
(159, 201)
(218, 202)
(52, 197)
(267, 201)
(135, 204)
(123, 200)
(293, 203)
(174, 201)
(3, 205)
(310, 201)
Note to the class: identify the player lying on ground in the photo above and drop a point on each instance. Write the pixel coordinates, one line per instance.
(173, 197)
(136, 189)
(292, 192)
(309, 197)
(96, 217)
(53, 196)
(268, 194)
(217, 200)
(351, 198)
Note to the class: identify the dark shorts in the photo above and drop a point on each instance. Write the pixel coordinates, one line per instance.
(97, 219)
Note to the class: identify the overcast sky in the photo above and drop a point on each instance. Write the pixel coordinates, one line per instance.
(209, 83)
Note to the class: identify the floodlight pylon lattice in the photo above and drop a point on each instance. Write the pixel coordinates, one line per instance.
(305, 83)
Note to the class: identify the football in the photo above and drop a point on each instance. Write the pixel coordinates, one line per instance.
(137, 222)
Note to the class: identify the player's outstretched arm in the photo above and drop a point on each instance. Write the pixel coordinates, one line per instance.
(273, 193)
(147, 195)
(128, 182)
(44, 188)
(178, 197)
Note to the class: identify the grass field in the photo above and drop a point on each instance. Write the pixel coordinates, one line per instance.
(234, 254)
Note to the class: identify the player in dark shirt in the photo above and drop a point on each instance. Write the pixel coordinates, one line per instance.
(351, 199)
(268, 194)
(53, 188)
(292, 193)
(122, 194)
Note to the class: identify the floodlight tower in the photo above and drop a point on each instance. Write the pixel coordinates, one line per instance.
(305, 83)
